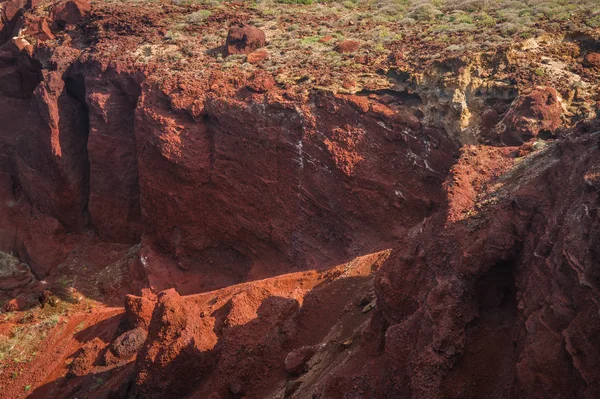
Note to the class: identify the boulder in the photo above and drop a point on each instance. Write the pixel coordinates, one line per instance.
(296, 362)
(244, 39)
(125, 346)
(347, 46)
(138, 310)
(70, 12)
(592, 60)
(531, 114)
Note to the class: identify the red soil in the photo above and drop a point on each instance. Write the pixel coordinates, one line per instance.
(223, 234)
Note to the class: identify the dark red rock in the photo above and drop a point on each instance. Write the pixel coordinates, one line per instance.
(244, 39)
(114, 197)
(261, 82)
(296, 362)
(530, 114)
(347, 46)
(70, 12)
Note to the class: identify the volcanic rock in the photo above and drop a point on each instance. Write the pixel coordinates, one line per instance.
(592, 60)
(70, 12)
(125, 346)
(347, 46)
(296, 362)
(257, 56)
(138, 310)
(261, 82)
(538, 111)
(244, 39)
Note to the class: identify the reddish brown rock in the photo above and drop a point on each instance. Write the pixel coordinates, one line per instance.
(296, 362)
(257, 56)
(261, 82)
(114, 197)
(347, 46)
(475, 309)
(175, 355)
(138, 310)
(244, 39)
(531, 114)
(86, 358)
(191, 202)
(592, 60)
(51, 154)
(39, 28)
(70, 12)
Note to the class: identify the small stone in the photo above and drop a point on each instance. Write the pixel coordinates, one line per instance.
(370, 306)
(257, 56)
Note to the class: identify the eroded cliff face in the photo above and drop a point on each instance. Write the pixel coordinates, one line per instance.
(434, 235)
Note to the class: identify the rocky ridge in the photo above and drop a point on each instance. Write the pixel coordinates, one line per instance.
(212, 193)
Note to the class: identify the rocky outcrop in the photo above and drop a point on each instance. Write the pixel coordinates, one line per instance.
(538, 112)
(70, 12)
(178, 344)
(244, 39)
(499, 289)
(114, 196)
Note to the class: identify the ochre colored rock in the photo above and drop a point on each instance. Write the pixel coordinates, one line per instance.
(244, 39)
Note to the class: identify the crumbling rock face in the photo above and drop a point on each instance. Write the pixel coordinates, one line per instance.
(487, 306)
(178, 343)
(538, 112)
(301, 166)
(70, 12)
(491, 290)
(114, 204)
